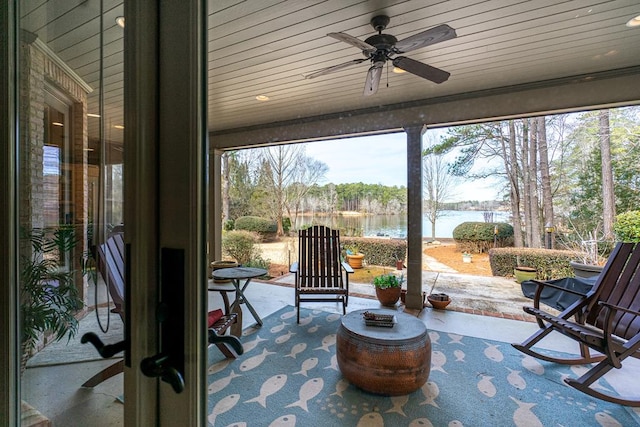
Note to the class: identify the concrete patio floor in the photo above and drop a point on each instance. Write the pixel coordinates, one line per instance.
(55, 390)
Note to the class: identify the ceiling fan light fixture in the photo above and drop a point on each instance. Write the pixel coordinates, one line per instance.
(262, 98)
(634, 22)
(120, 21)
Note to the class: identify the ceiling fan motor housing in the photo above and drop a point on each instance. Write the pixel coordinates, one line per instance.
(382, 42)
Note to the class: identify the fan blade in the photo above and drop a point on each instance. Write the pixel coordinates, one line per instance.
(333, 68)
(425, 71)
(366, 47)
(431, 36)
(373, 79)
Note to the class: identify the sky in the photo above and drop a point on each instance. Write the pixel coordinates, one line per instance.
(382, 159)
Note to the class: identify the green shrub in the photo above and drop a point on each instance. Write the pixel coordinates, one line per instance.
(266, 228)
(228, 225)
(550, 263)
(258, 262)
(478, 237)
(384, 252)
(240, 245)
(286, 224)
(627, 226)
(385, 281)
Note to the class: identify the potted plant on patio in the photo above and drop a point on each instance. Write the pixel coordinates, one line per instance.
(388, 288)
(48, 294)
(354, 257)
(439, 300)
(524, 273)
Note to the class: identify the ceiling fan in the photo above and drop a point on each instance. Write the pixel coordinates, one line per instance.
(381, 48)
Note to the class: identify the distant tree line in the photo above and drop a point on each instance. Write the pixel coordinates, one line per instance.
(282, 182)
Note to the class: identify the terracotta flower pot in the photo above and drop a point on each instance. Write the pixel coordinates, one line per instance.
(355, 260)
(439, 301)
(388, 296)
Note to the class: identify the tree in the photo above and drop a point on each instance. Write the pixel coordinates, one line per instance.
(242, 185)
(307, 173)
(437, 184)
(545, 174)
(585, 179)
(287, 176)
(226, 185)
(533, 203)
(608, 196)
(512, 170)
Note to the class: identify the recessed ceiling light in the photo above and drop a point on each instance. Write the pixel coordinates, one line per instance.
(398, 70)
(57, 124)
(93, 115)
(262, 98)
(118, 126)
(120, 21)
(634, 22)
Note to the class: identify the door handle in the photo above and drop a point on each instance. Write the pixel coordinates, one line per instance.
(168, 364)
(160, 366)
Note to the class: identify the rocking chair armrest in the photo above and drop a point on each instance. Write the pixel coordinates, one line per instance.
(618, 308)
(347, 267)
(293, 268)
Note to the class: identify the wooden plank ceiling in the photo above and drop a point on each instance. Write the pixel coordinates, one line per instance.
(264, 48)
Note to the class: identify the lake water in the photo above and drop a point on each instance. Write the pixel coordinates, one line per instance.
(396, 225)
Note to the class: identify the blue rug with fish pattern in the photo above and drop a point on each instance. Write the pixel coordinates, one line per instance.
(289, 376)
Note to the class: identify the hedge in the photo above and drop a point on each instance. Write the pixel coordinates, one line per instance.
(266, 228)
(383, 252)
(479, 237)
(550, 263)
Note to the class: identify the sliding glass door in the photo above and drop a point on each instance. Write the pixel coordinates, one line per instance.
(107, 135)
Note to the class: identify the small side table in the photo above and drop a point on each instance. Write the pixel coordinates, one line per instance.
(240, 278)
(388, 361)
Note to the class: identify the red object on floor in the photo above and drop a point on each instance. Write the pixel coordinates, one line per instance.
(213, 317)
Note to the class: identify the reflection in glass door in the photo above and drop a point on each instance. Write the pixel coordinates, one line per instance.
(70, 197)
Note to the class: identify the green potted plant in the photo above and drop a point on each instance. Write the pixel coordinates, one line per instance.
(48, 294)
(388, 288)
(354, 257)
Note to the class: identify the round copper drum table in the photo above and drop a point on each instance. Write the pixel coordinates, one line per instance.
(389, 361)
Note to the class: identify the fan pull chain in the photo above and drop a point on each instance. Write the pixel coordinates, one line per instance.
(387, 76)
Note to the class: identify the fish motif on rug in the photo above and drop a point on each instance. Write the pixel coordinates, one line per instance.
(289, 376)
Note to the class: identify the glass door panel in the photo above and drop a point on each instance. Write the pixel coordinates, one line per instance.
(71, 196)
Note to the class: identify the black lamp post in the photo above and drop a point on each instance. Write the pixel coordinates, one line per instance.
(495, 236)
(549, 229)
